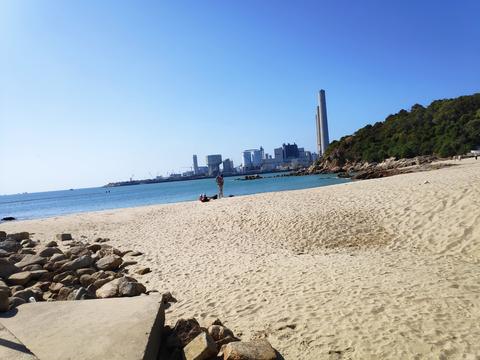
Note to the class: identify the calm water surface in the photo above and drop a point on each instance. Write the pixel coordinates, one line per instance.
(53, 203)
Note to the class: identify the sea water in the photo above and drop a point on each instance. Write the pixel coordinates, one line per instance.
(53, 203)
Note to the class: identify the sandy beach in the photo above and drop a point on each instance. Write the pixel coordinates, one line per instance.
(378, 269)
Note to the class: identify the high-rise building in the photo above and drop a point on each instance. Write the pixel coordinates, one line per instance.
(278, 155)
(213, 163)
(247, 159)
(228, 166)
(257, 157)
(290, 151)
(195, 165)
(322, 124)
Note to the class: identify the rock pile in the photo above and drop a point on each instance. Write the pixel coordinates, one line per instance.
(32, 272)
(187, 340)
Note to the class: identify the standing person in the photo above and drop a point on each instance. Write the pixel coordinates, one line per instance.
(219, 181)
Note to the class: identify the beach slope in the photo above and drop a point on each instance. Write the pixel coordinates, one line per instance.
(379, 269)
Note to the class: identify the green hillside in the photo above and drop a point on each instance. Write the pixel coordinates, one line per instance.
(444, 128)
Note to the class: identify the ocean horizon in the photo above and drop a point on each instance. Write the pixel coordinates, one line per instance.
(47, 204)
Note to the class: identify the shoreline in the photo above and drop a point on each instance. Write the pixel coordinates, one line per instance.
(384, 268)
(161, 203)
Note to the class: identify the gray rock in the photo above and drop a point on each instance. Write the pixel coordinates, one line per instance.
(186, 330)
(94, 247)
(249, 350)
(4, 253)
(77, 251)
(69, 280)
(7, 269)
(58, 257)
(127, 263)
(130, 288)
(28, 243)
(3, 235)
(27, 251)
(4, 302)
(64, 293)
(28, 293)
(18, 236)
(109, 262)
(202, 347)
(60, 276)
(64, 237)
(143, 270)
(10, 246)
(86, 280)
(20, 278)
(14, 258)
(51, 244)
(108, 290)
(32, 267)
(218, 332)
(55, 287)
(86, 271)
(39, 274)
(15, 288)
(49, 251)
(135, 253)
(31, 260)
(84, 261)
(15, 301)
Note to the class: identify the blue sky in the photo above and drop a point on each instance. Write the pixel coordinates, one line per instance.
(95, 91)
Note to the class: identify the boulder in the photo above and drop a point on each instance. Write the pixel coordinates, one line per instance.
(29, 293)
(20, 278)
(58, 257)
(101, 240)
(109, 262)
(51, 244)
(15, 288)
(31, 260)
(39, 274)
(32, 267)
(18, 236)
(3, 235)
(55, 287)
(94, 247)
(135, 253)
(7, 269)
(143, 270)
(130, 288)
(76, 251)
(60, 276)
(127, 263)
(15, 301)
(49, 251)
(186, 330)
(85, 271)
(28, 243)
(218, 332)
(249, 350)
(64, 293)
(64, 237)
(10, 246)
(27, 251)
(4, 294)
(69, 280)
(86, 280)
(4, 253)
(14, 258)
(202, 347)
(108, 290)
(83, 261)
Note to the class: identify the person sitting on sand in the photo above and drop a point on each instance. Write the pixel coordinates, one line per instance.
(203, 198)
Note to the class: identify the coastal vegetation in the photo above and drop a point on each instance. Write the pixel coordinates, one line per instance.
(444, 128)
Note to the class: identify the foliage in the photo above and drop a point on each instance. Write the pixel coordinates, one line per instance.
(444, 128)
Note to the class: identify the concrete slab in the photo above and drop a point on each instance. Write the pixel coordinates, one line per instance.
(11, 348)
(119, 328)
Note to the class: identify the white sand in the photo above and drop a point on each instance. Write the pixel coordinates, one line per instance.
(379, 269)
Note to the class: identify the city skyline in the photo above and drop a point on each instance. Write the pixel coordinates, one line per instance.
(94, 92)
